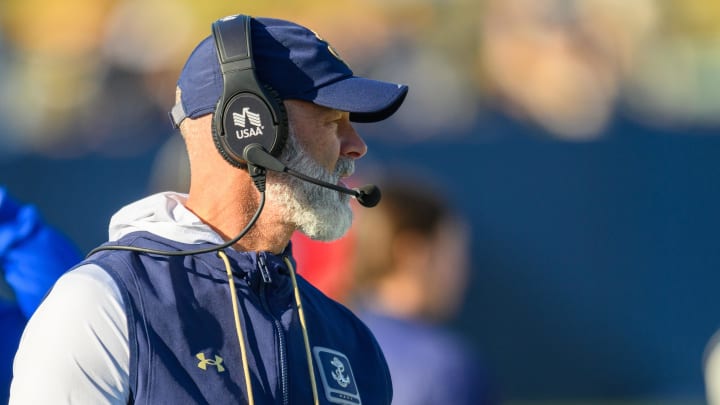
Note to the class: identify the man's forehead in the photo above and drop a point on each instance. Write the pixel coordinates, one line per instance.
(306, 107)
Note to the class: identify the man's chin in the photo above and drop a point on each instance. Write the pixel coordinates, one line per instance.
(319, 213)
(325, 237)
(330, 225)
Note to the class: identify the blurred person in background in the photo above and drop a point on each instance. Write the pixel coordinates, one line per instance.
(711, 369)
(195, 298)
(410, 273)
(32, 257)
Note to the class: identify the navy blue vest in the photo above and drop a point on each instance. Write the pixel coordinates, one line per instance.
(184, 348)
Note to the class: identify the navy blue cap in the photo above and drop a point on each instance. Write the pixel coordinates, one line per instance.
(297, 64)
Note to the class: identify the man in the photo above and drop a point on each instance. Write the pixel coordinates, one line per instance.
(32, 257)
(182, 319)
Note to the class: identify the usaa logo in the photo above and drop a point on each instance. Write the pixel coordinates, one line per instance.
(253, 119)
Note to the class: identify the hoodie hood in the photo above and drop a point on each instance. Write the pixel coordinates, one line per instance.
(163, 214)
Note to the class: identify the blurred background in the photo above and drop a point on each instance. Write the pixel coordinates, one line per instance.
(579, 138)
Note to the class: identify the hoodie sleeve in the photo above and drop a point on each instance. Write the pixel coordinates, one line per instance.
(32, 254)
(75, 347)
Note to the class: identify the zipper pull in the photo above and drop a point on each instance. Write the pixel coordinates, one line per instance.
(264, 272)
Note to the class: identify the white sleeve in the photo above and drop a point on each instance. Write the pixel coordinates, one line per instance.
(74, 349)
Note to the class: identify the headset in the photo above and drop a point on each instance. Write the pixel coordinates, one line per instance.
(250, 124)
(249, 128)
(248, 112)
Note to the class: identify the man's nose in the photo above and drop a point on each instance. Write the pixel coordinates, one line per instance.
(352, 145)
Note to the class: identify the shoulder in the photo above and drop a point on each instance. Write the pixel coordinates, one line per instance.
(84, 298)
(85, 284)
(331, 309)
(83, 314)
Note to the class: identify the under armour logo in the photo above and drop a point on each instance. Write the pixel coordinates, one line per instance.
(207, 362)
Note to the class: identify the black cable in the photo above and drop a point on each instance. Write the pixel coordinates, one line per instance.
(188, 252)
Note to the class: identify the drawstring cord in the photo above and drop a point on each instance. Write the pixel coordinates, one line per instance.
(238, 328)
(241, 338)
(301, 315)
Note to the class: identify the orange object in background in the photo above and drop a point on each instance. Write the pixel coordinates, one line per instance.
(326, 265)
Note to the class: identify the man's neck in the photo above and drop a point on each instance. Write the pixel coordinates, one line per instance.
(229, 208)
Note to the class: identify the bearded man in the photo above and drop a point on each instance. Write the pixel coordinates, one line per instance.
(176, 308)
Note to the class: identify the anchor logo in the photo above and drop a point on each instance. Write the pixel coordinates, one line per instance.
(337, 377)
(337, 374)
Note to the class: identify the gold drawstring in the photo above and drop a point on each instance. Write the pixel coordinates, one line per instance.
(241, 338)
(301, 314)
(238, 328)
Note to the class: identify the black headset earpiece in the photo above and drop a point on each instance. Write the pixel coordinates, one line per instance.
(247, 111)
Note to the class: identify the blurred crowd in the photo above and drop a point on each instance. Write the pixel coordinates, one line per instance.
(81, 76)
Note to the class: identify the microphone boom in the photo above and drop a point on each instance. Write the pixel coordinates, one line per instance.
(367, 195)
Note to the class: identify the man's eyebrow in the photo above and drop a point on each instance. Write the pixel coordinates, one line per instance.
(333, 113)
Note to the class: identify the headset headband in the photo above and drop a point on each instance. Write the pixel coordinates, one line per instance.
(247, 112)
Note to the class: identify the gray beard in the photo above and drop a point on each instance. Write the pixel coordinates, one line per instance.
(318, 212)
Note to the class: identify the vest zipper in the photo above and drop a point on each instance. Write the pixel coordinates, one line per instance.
(277, 326)
(264, 272)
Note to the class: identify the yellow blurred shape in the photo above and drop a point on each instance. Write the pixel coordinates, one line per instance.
(66, 27)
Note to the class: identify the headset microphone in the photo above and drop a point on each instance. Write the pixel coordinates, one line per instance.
(368, 195)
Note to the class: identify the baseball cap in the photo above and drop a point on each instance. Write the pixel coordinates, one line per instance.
(297, 64)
